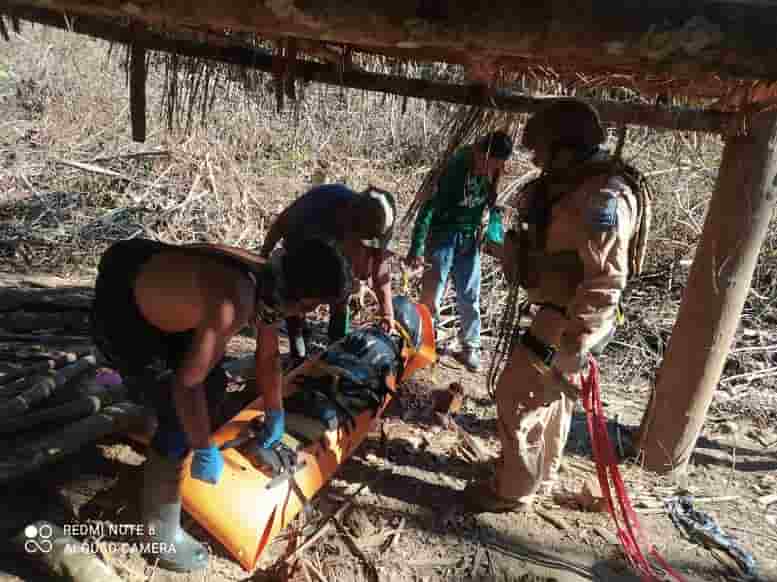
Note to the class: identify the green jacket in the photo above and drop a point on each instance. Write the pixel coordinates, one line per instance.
(456, 206)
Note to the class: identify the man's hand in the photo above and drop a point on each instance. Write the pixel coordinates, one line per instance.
(387, 323)
(569, 362)
(273, 429)
(207, 465)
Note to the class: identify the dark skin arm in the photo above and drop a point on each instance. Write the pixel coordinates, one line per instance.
(207, 349)
(381, 282)
(268, 366)
(226, 308)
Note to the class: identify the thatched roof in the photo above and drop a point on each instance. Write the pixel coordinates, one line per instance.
(711, 56)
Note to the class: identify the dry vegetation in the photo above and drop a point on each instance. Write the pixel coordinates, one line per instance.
(64, 103)
(224, 179)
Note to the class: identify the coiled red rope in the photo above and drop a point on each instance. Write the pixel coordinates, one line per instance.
(629, 532)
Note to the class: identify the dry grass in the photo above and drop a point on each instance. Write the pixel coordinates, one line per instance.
(64, 100)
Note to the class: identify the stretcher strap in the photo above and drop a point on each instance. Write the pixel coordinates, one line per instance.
(630, 534)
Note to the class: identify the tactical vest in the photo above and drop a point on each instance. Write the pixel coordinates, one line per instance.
(556, 275)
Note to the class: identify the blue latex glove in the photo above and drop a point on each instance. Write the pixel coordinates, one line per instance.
(273, 428)
(207, 464)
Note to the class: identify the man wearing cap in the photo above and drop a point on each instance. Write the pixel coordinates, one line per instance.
(446, 233)
(361, 225)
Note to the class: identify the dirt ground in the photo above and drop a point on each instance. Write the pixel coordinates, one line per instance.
(413, 480)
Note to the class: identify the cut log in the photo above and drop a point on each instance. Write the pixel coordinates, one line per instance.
(25, 321)
(46, 299)
(45, 366)
(34, 354)
(118, 418)
(59, 555)
(42, 388)
(80, 407)
(45, 339)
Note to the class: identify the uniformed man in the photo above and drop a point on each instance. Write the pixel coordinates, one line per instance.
(572, 258)
(361, 225)
(163, 315)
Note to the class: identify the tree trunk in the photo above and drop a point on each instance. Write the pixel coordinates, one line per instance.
(735, 227)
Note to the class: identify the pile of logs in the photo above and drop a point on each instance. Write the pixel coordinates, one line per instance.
(52, 401)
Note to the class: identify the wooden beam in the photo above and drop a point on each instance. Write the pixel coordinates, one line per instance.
(726, 38)
(611, 112)
(138, 91)
(720, 278)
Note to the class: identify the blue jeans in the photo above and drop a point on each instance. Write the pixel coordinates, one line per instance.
(458, 255)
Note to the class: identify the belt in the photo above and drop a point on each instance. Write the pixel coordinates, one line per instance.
(539, 348)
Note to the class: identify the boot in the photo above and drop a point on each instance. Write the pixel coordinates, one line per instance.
(470, 357)
(479, 497)
(161, 515)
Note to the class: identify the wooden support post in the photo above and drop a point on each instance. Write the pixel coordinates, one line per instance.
(4, 30)
(138, 91)
(720, 278)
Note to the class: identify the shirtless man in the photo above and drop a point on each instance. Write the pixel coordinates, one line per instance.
(163, 315)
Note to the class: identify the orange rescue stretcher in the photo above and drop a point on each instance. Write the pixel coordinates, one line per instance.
(251, 503)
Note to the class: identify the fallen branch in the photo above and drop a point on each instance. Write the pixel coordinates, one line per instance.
(335, 515)
(558, 522)
(441, 563)
(148, 154)
(767, 500)
(91, 168)
(752, 375)
(395, 534)
(316, 572)
(476, 563)
(465, 436)
(371, 570)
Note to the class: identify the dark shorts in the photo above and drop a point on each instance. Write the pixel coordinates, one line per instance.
(145, 356)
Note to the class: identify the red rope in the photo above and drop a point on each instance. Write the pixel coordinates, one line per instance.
(629, 533)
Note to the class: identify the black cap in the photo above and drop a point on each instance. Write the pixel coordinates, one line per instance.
(497, 144)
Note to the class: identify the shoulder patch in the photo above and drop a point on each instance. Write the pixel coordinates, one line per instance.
(602, 210)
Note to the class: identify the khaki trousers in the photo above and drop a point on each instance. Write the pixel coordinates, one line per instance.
(532, 428)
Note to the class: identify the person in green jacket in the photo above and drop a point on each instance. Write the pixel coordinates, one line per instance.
(446, 234)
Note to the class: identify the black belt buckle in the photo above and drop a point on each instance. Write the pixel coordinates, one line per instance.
(540, 349)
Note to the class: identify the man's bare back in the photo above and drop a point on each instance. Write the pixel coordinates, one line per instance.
(176, 291)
